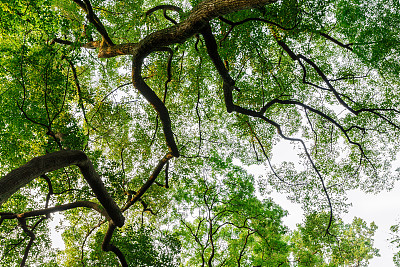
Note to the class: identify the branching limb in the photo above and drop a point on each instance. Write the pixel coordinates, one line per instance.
(169, 74)
(229, 84)
(155, 101)
(50, 186)
(233, 24)
(105, 97)
(249, 233)
(163, 7)
(131, 194)
(153, 139)
(337, 95)
(279, 130)
(318, 112)
(268, 159)
(21, 107)
(73, 205)
(313, 130)
(31, 234)
(85, 239)
(22, 220)
(198, 111)
(78, 88)
(166, 185)
(196, 237)
(88, 45)
(47, 211)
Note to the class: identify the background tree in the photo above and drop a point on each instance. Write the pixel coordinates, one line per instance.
(225, 224)
(349, 244)
(230, 77)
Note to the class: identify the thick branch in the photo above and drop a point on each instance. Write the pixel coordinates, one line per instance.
(77, 204)
(330, 38)
(13, 181)
(163, 7)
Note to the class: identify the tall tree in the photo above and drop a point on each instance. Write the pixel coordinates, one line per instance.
(109, 107)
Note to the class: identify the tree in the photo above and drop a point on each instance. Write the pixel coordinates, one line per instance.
(227, 225)
(230, 77)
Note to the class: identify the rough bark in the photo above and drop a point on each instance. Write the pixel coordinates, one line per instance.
(16, 179)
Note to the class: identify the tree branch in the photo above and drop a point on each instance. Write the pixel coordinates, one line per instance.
(149, 182)
(330, 38)
(91, 16)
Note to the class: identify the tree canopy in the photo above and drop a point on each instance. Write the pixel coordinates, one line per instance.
(136, 120)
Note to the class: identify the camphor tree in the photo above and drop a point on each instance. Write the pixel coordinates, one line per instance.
(126, 116)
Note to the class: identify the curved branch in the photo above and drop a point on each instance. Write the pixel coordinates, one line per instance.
(107, 246)
(233, 24)
(193, 24)
(165, 8)
(78, 88)
(268, 159)
(330, 38)
(50, 186)
(337, 95)
(229, 84)
(320, 113)
(155, 101)
(77, 204)
(169, 72)
(32, 236)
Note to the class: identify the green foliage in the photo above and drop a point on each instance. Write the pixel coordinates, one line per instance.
(343, 245)
(222, 221)
(339, 96)
(149, 247)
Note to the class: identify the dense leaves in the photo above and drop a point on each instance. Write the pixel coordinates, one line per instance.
(227, 81)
